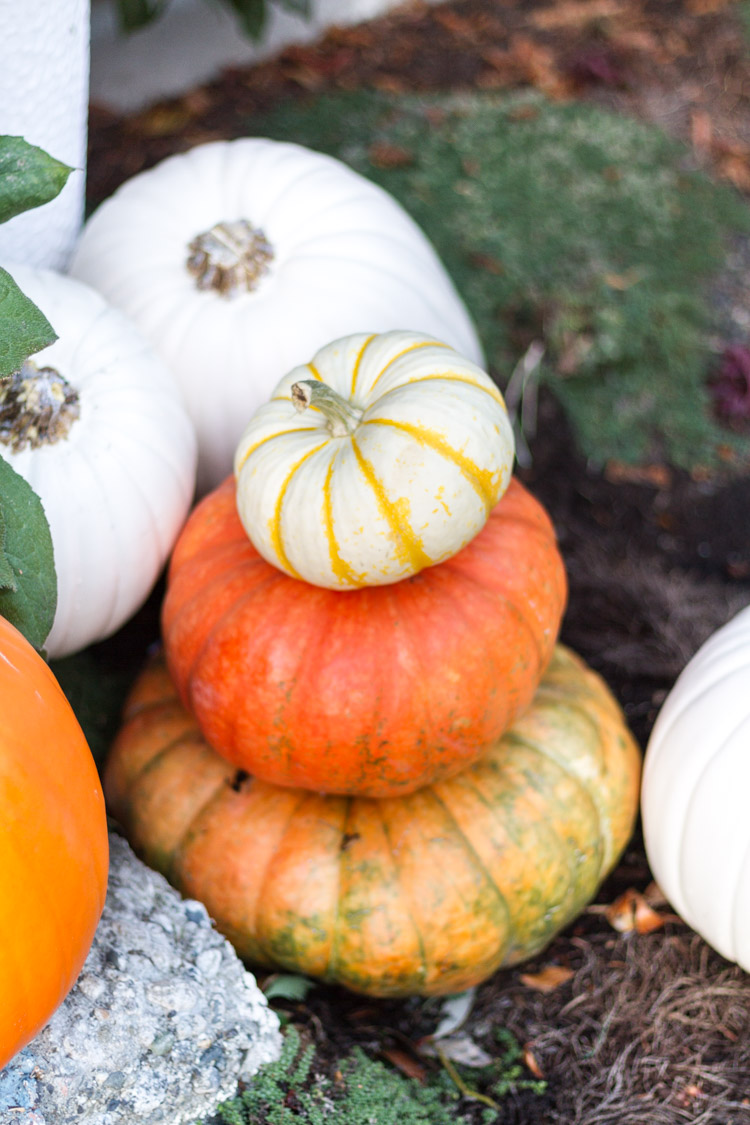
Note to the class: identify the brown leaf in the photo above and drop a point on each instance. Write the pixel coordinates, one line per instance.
(623, 281)
(618, 472)
(530, 1062)
(385, 155)
(547, 979)
(630, 913)
(487, 262)
(575, 13)
(701, 131)
(736, 169)
(405, 1063)
(538, 66)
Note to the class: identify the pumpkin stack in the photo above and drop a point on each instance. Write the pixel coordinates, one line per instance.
(366, 753)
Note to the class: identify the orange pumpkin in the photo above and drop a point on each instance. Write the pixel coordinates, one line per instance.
(426, 893)
(376, 691)
(53, 844)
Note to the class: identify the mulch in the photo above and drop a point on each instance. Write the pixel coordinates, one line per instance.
(652, 1026)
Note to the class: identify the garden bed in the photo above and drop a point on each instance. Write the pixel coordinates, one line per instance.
(635, 112)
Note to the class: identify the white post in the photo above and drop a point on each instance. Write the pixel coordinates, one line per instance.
(44, 87)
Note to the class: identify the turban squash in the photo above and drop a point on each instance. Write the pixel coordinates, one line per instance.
(53, 844)
(381, 456)
(425, 893)
(374, 691)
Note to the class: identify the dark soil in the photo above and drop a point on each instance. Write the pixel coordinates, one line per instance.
(657, 558)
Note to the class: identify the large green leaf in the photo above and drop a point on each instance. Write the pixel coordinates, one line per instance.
(29, 177)
(24, 329)
(137, 13)
(251, 15)
(28, 582)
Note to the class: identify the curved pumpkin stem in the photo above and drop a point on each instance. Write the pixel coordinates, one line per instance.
(342, 417)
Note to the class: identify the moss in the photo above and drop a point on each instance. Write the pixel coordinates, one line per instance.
(365, 1092)
(564, 223)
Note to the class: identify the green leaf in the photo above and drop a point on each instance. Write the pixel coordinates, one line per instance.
(137, 13)
(251, 15)
(29, 177)
(24, 329)
(26, 558)
(303, 7)
(287, 986)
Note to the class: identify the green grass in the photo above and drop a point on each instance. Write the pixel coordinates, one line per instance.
(366, 1092)
(567, 224)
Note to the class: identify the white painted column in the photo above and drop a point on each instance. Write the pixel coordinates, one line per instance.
(44, 84)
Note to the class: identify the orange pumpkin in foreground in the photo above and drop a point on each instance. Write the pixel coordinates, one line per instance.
(426, 893)
(376, 691)
(54, 852)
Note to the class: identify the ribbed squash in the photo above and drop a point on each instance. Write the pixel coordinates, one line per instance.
(374, 692)
(422, 894)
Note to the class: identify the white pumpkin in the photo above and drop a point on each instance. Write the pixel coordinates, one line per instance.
(694, 800)
(239, 259)
(383, 455)
(96, 424)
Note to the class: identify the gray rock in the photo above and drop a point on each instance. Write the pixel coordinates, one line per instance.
(160, 1026)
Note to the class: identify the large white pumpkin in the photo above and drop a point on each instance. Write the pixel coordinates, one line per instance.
(240, 259)
(696, 782)
(381, 456)
(96, 424)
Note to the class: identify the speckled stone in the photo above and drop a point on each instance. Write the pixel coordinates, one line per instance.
(160, 1026)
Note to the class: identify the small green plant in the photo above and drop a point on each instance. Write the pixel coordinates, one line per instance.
(29, 178)
(251, 14)
(367, 1092)
(566, 226)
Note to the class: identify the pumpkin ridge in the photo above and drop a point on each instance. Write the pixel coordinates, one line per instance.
(277, 540)
(695, 792)
(407, 544)
(339, 566)
(220, 623)
(453, 377)
(605, 852)
(480, 479)
(272, 437)
(333, 956)
(474, 856)
(358, 363)
(400, 355)
(423, 972)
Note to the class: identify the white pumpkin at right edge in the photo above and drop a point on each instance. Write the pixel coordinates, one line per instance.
(240, 259)
(695, 799)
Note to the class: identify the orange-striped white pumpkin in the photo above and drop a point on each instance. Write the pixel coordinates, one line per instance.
(394, 471)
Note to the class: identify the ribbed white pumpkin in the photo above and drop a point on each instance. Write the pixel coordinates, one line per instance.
(398, 474)
(116, 475)
(329, 254)
(696, 782)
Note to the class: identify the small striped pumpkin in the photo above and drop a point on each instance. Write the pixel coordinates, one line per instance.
(423, 894)
(376, 691)
(383, 455)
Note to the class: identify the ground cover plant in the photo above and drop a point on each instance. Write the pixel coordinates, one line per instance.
(613, 1023)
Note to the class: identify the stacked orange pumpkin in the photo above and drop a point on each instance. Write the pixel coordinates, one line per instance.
(366, 754)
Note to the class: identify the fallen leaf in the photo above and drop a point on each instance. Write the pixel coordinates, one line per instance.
(454, 1011)
(654, 895)
(385, 155)
(486, 262)
(547, 979)
(630, 913)
(618, 472)
(736, 169)
(623, 281)
(460, 1049)
(405, 1063)
(577, 13)
(530, 1062)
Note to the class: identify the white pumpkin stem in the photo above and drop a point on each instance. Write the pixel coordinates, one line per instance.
(342, 417)
(230, 258)
(37, 407)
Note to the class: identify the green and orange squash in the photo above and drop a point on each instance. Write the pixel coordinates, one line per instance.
(419, 894)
